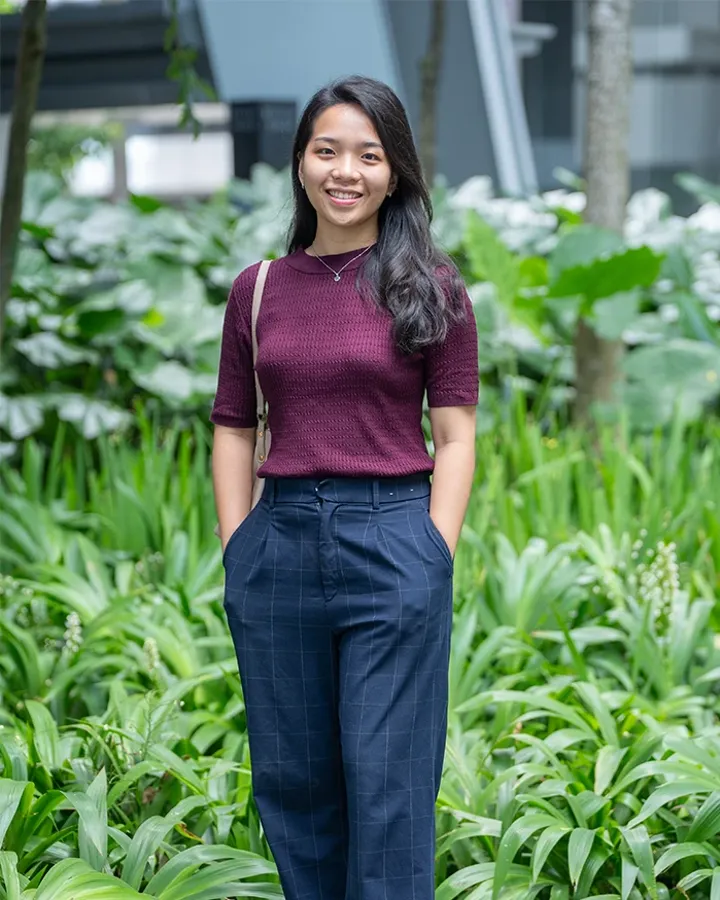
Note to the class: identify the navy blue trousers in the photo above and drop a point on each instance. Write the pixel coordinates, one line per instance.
(339, 600)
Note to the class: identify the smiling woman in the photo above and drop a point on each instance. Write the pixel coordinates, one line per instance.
(346, 175)
(357, 182)
(339, 585)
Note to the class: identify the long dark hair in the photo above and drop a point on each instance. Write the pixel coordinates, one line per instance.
(406, 273)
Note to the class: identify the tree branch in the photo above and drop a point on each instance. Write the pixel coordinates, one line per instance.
(430, 68)
(28, 71)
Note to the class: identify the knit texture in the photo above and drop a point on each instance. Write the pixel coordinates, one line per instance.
(342, 399)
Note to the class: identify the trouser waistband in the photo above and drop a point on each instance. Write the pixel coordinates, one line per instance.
(347, 489)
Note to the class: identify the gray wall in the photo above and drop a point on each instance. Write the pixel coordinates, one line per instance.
(286, 49)
(464, 146)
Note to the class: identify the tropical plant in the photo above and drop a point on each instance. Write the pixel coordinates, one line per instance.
(113, 304)
(583, 732)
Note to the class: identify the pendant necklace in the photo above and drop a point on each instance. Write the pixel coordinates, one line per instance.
(338, 273)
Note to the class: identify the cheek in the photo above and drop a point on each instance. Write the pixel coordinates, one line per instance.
(381, 186)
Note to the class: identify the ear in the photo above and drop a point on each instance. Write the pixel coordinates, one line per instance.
(392, 187)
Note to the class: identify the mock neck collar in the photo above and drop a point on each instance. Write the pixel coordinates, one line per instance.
(305, 262)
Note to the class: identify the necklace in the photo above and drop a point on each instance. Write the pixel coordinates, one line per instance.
(338, 273)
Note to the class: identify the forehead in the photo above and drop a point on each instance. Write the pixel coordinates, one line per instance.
(345, 121)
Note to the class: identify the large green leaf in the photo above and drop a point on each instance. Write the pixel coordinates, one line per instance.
(628, 876)
(705, 191)
(50, 351)
(91, 807)
(666, 794)
(510, 843)
(611, 316)
(594, 263)
(46, 737)
(21, 416)
(9, 877)
(175, 382)
(490, 260)
(544, 846)
(678, 852)
(581, 246)
(579, 847)
(674, 378)
(11, 797)
(176, 873)
(74, 879)
(150, 835)
(706, 823)
(638, 842)
(591, 697)
(91, 417)
(181, 316)
(606, 765)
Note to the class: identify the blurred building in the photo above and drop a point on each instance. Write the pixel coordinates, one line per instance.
(511, 92)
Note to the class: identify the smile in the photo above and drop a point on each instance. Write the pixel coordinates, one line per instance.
(344, 198)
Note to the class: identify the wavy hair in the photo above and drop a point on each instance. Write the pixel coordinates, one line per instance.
(406, 273)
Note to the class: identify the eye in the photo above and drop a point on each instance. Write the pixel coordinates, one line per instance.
(372, 156)
(324, 150)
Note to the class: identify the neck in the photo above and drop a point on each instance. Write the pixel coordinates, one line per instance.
(328, 242)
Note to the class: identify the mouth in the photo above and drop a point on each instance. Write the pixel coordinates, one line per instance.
(343, 198)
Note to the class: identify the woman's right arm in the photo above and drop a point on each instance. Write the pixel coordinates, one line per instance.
(232, 471)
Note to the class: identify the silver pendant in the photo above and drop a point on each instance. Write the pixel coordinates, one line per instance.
(336, 278)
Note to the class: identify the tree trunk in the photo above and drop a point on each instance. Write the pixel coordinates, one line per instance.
(120, 173)
(429, 82)
(607, 173)
(28, 70)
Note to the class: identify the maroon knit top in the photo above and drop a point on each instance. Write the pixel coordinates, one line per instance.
(342, 399)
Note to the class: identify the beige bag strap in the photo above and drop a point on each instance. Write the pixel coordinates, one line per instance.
(260, 448)
(257, 300)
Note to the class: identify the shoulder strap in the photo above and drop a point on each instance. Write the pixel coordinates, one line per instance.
(257, 300)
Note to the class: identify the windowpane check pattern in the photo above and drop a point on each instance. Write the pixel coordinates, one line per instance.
(339, 601)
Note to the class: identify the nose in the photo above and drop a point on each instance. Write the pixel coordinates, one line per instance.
(345, 168)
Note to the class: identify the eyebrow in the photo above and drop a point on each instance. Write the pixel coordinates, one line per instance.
(331, 140)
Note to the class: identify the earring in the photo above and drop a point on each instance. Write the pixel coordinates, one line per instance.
(302, 185)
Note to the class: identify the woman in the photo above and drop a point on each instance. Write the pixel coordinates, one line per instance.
(339, 581)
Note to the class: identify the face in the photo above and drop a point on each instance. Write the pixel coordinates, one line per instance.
(345, 169)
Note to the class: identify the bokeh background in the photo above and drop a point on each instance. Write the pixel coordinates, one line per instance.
(573, 150)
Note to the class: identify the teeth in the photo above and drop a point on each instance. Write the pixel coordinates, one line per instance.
(342, 195)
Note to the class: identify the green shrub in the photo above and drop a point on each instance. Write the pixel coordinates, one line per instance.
(583, 753)
(115, 305)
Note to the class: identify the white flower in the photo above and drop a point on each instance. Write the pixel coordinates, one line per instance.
(669, 312)
(73, 635)
(574, 201)
(152, 655)
(659, 580)
(707, 218)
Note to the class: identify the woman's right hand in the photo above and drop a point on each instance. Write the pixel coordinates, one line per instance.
(232, 471)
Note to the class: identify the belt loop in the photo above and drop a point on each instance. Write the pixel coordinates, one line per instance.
(272, 492)
(376, 493)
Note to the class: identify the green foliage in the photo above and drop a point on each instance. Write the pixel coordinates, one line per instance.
(115, 305)
(181, 69)
(594, 263)
(57, 149)
(583, 740)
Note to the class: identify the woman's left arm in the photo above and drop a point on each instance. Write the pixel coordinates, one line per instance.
(453, 433)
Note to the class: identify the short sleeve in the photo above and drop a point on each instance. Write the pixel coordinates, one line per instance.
(452, 375)
(235, 404)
